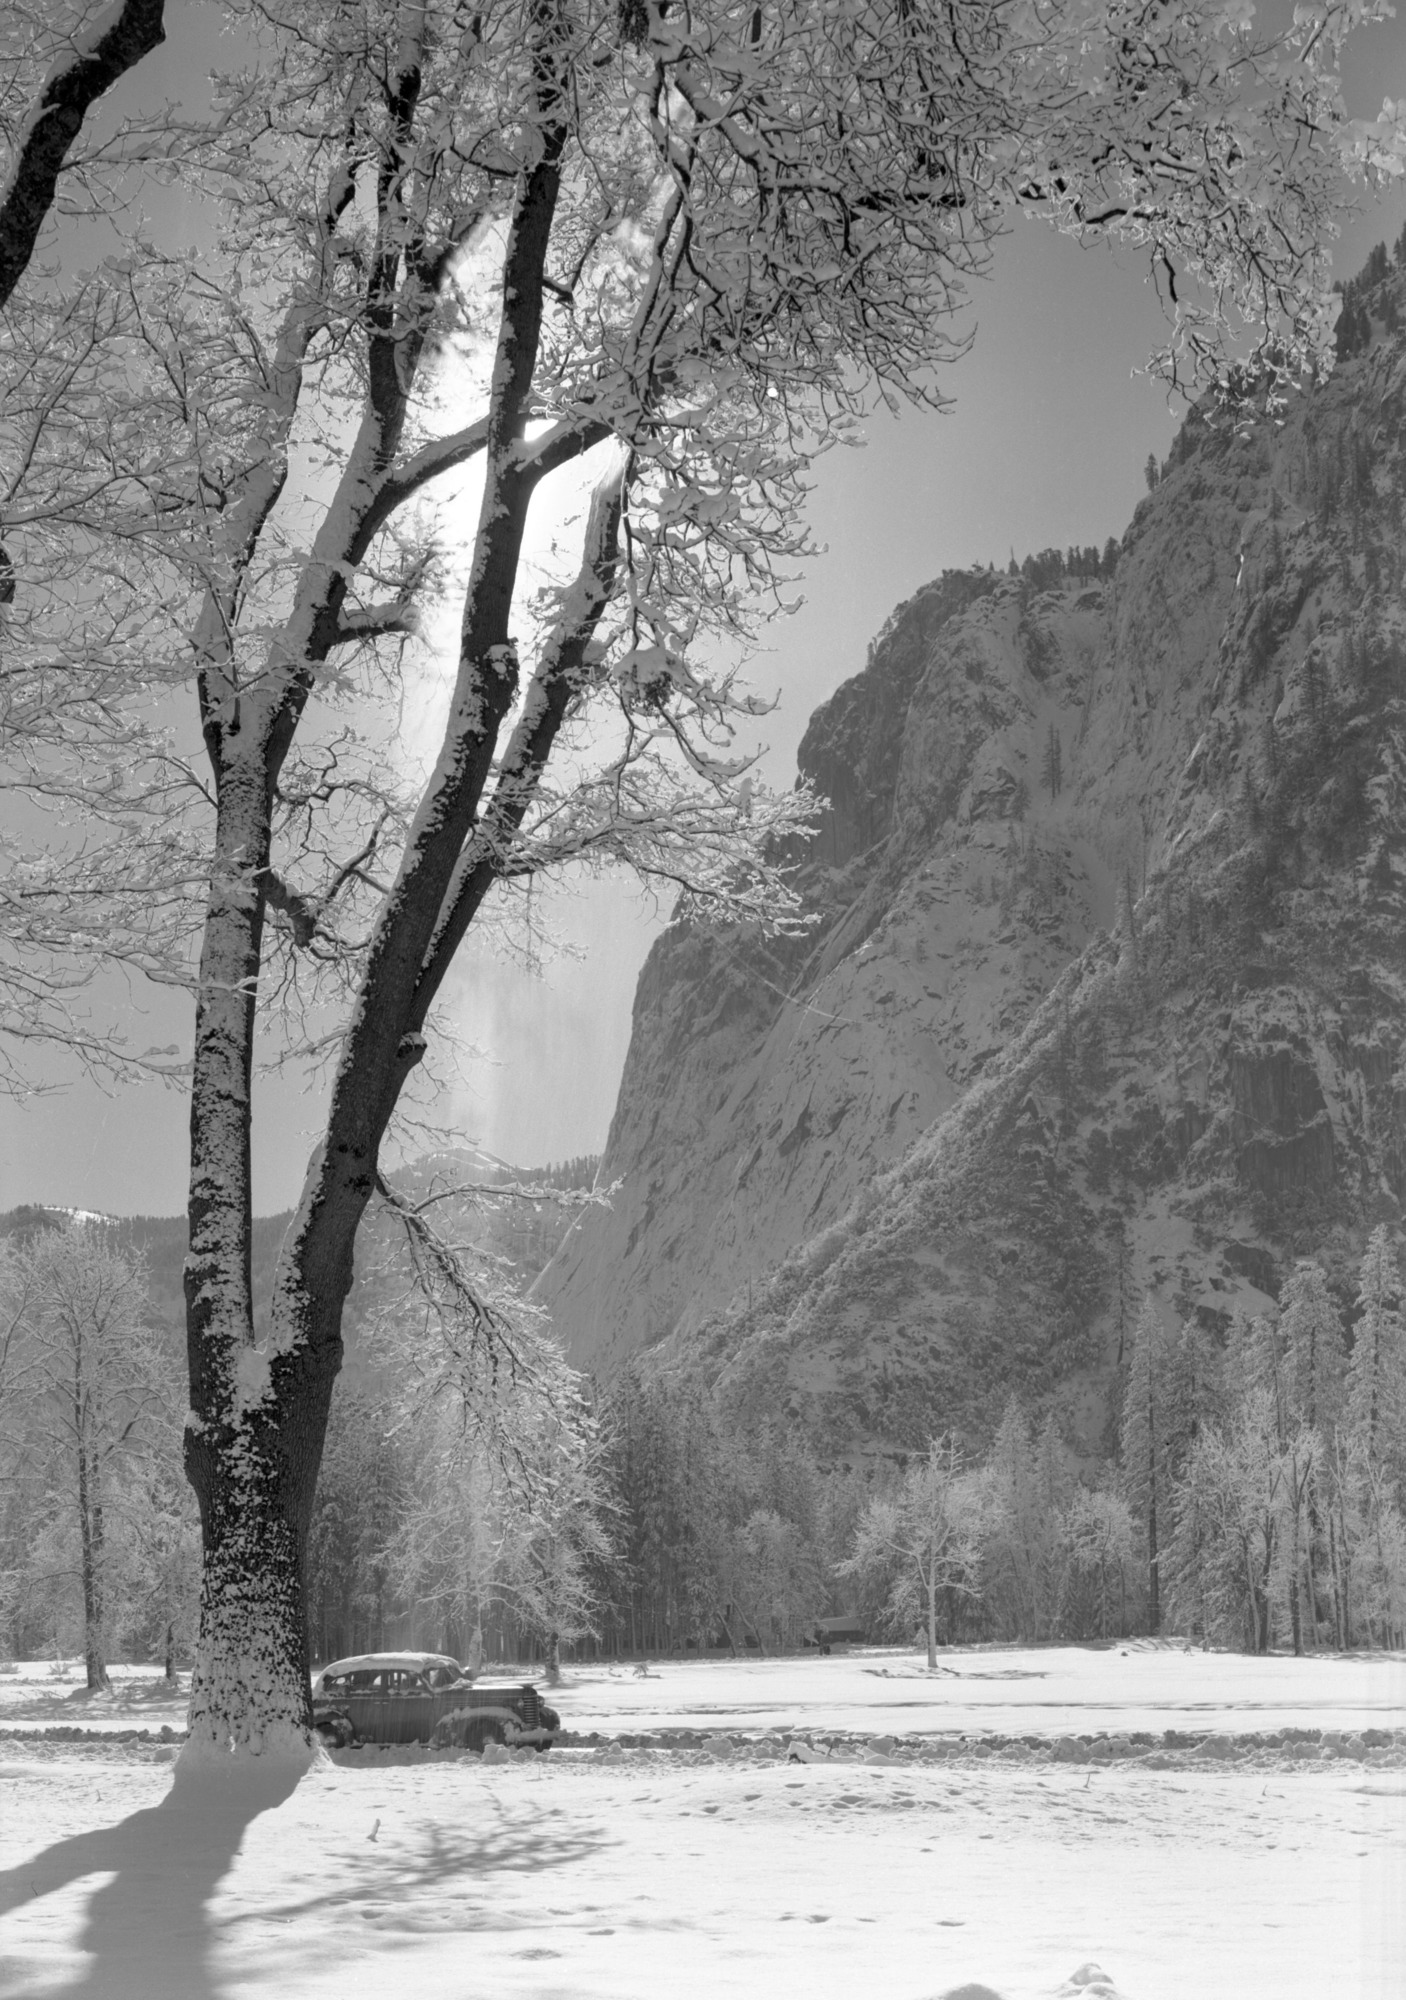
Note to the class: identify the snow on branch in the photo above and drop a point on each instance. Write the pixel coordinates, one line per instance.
(489, 1353)
(114, 41)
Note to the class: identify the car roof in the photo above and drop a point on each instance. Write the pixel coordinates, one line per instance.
(369, 1662)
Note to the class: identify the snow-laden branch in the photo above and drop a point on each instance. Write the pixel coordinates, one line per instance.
(87, 65)
(489, 1356)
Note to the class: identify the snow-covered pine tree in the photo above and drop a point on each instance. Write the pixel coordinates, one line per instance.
(1011, 1530)
(1366, 1459)
(1376, 1369)
(1098, 1538)
(1053, 1488)
(1224, 1560)
(1195, 1391)
(1311, 1341)
(1311, 1337)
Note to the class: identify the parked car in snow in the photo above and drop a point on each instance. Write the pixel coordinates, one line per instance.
(425, 1698)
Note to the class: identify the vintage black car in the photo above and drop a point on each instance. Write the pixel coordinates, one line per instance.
(425, 1698)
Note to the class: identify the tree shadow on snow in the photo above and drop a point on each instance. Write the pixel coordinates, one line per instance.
(147, 1929)
(402, 1889)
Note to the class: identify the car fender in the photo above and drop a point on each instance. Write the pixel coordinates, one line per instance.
(512, 1724)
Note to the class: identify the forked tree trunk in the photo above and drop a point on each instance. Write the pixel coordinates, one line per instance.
(254, 1445)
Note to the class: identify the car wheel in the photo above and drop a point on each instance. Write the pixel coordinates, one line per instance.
(481, 1732)
(336, 1731)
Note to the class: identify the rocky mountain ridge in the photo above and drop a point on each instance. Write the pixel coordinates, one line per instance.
(1107, 995)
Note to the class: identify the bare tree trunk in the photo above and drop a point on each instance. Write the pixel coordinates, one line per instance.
(251, 1453)
(932, 1621)
(1311, 1588)
(1342, 1583)
(1262, 1602)
(90, 1532)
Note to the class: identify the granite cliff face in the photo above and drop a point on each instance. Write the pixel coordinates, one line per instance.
(1108, 991)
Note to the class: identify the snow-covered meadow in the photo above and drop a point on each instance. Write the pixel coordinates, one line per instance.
(922, 1846)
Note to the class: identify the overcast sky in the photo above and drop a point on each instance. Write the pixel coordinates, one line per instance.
(1045, 444)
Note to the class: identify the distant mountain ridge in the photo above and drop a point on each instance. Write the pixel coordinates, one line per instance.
(523, 1232)
(1108, 993)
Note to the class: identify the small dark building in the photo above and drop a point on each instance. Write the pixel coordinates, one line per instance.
(829, 1632)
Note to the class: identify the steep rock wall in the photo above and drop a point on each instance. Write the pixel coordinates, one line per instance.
(1051, 1046)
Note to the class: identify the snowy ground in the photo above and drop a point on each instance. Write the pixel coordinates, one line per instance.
(965, 1860)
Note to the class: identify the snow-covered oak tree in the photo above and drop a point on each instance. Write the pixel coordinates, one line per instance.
(506, 1508)
(86, 1393)
(677, 247)
(923, 1539)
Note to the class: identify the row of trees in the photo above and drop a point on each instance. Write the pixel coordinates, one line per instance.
(1256, 1498)
(1048, 569)
(1268, 1478)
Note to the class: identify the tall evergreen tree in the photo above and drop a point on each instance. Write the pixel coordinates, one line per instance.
(1022, 1494)
(1224, 1558)
(1376, 1370)
(1312, 1338)
(1195, 1392)
(1052, 764)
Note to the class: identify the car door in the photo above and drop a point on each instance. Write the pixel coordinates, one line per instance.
(410, 1707)
(356, 1696)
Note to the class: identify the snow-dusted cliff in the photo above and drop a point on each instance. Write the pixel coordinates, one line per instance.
(1051, 1044)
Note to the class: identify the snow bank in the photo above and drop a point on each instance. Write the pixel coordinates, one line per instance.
(1054, 1690)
